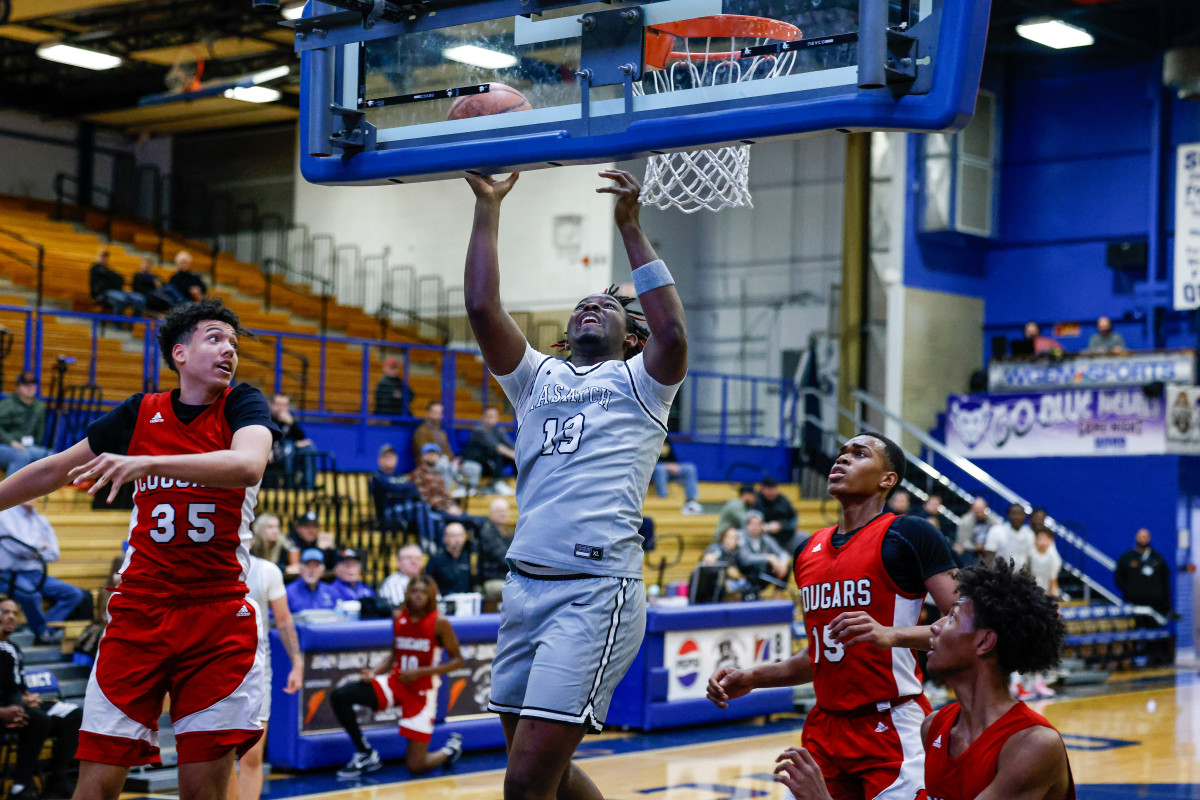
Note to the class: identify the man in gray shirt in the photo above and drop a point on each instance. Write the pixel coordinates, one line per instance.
(972, 532)
(1105, 339)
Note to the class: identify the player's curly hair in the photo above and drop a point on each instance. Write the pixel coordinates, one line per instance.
(635, 323)
(180, 323)
(1029, 629)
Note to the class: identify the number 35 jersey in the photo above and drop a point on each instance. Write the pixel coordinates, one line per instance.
(187, 542)
(587, 442)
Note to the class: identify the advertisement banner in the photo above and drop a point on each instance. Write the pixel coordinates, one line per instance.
(1186, 265)
(1075, 423)
(1092, 372)
(1183, 419)
(692, 656)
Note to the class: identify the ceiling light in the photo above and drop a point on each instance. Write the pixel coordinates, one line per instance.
(77, 56)
(293, 11)
(270, 74)
(480, 57)
(1054, 33)
(253, 94)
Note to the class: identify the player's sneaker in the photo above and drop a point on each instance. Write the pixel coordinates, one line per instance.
(691, 507)
(362, 762)
(1041, 689)
(453, 750)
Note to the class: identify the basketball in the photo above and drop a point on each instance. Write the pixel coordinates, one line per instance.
(498, 99)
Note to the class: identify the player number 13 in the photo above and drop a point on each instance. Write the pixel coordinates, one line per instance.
(198, 516)
(565, 440)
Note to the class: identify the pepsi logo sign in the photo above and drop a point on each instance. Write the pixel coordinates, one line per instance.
(687, 663)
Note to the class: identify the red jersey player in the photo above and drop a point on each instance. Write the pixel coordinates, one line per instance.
(987, 745)
(180, 623)
(407, 681)
(862, 585)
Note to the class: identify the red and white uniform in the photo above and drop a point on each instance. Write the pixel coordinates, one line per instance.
(865, 731)
(180, 622)
(414, 645)
(966, 776)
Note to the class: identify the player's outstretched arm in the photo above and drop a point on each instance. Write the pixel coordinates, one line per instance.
(500, 340)
(858, 627)
(1032, 766)
(43, 476)
(729, 684)
(666, 350)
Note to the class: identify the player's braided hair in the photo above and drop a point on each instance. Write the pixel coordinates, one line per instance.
(1029, 629)
(180, 323)
(635, 323)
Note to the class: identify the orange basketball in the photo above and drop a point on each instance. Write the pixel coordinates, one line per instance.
(498, 99)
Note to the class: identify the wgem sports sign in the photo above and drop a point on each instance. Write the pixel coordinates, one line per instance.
(1092, 372)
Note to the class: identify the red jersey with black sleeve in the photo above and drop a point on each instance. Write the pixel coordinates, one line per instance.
(414, 644)
(187, 542)
(966, 776)
(880, 569)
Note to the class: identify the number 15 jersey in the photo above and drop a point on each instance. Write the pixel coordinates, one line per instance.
(587, 442)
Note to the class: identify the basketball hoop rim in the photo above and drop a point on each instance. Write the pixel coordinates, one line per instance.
(660, 38)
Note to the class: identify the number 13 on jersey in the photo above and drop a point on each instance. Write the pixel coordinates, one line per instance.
(564, 440)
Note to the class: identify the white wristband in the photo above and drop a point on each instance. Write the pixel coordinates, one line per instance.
(651, 276)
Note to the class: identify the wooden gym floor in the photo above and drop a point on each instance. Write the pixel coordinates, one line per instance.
(1135, 737)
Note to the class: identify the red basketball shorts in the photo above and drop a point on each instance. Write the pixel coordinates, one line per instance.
(875, 756)
(417, 706)
(205, 655)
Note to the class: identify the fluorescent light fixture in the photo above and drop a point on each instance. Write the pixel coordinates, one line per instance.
(77, 56)
(293, 11)
(271, 74)
(1054, 33)
(480, 57)
(253, 94)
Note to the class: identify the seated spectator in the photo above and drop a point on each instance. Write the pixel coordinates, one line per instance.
(21, 569)
(493, 536)
(733, 513)
(1041, 344)
(392, 395)
(22, 425)
(310, 592)
(307, 533)
(724, 551)
(107, 288)
(1044, 562)
(760, 558)
(293, 446)
(1105, 339)
(900, 503)
(452, 469)
(409, 560)
(670, 468)
(268, 543)
(399, 504)
(779, 517)
(22, 714)
(1011, 539)
(431, 485)
(972, 532)
(347, 581)
(451, 567)
(491, 449)
(150, 286)
(184, 285)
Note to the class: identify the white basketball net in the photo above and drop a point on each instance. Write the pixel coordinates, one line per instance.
(713, 179)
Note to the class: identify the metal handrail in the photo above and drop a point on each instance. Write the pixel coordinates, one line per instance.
(40, 265)
(60, 193)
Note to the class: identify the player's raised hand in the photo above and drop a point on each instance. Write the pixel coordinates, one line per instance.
(855, 627)
(798, 771)
(486, 187)
(111, 469)
(628, 190)
(728, 684)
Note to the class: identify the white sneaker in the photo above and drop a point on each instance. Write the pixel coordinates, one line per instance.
(691, 508)
(1042, 690)
(453, 750)
(459, 493)
(502, 488)
(362, 762)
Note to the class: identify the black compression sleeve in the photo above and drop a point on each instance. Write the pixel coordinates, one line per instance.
(247, 406)
(914, 551)
(112, 432)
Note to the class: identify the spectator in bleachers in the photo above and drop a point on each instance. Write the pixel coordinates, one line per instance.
(310, 592)
(21, 713)
(451, 468)
(491, 449)
(397, 501)
(900, 503)
(408, 566)
(759, 556)
(392, 395)
(293, 447)
(451, 567)
(1041, 344)
(1105, 339)
(1044, 566)
(306, 533)
(150, 286)
(184, 285)
(268, 543)
(972, 532)
(724, 551)
(1142, 575)
(779, 517)
(22, 425)
(670, 468)
(34, 544)
(733, 513)
(107, 288)
(347, 581)
(1011, 539)
(1037, 519)
(430, 482)
(493, 536)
